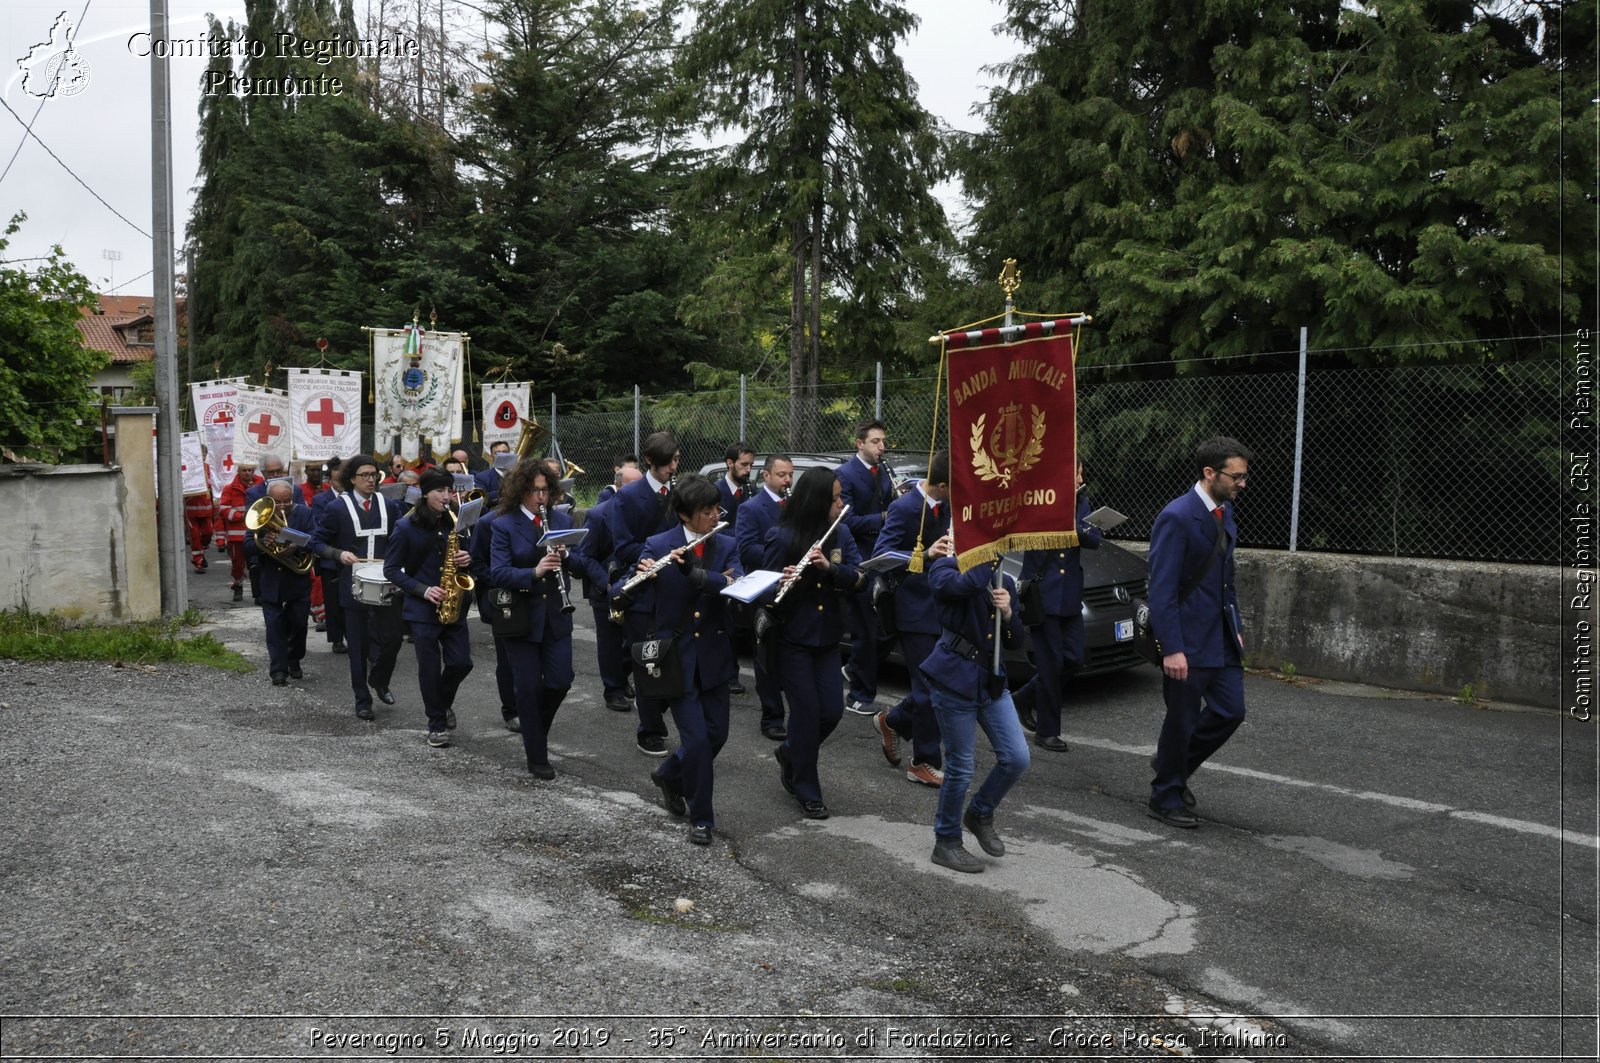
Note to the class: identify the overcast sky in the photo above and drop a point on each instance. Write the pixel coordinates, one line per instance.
(102, 132)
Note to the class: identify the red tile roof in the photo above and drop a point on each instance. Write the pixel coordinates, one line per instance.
(108, 329)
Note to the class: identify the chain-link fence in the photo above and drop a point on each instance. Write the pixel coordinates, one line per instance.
(1447, 461)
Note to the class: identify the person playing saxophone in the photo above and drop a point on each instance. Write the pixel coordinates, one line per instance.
(425, 560)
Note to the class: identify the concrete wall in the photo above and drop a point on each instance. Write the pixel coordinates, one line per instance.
(80, 540)
(1409, 623)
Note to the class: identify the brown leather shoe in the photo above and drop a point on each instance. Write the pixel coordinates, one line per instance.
(926, 774)
(891, 741)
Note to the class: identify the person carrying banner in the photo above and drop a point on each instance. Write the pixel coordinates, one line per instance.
(355, 529)
(758, 516)
(419, 560)
(819, 560)
(1054, 579)
(867, 488)
(1194, 615)
(919, 517)
(199, 513)
(231, 506)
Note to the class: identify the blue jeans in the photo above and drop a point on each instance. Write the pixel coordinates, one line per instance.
(960, 715)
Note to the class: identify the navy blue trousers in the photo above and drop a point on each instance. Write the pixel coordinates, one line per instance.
(864, 635)
(286, 633)
(1057, 647)
(702, 719)
(444, 657)
(771, 696)
(1191, 733)
(542, 673)
(652, 711)
(812, 685)
(374, 635)
(608, 650)
(332, 608)
(914, 717)
(504, 681)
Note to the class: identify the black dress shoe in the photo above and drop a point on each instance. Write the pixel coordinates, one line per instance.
(364, 712)
(672, 797)
(775, 731)
(542, 771)
(295, 672)
(322, 625)
(1186, 795)
(513, 724)
(1051, 742)
(700, 835)
(736, 687)
(449, 719)
(1174, 817)
(785, 772)
(238, 594)
(279, 679)
(384, 695)
(619, 704)
(628, 691)
(1025, 714)
(339, 647)
(813, 810)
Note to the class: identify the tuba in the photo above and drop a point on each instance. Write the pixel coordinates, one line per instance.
(263, 516)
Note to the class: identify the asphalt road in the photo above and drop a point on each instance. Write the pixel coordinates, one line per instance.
(1376, 875)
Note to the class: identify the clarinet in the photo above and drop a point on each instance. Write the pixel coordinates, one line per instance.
(805, 561)
(561, 584)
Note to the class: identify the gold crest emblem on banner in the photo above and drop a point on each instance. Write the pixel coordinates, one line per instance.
(1017, 443)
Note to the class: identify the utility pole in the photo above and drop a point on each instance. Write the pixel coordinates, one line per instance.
(169, 471)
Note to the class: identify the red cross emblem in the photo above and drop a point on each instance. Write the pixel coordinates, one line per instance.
(264, 429)
(227, 462)
(325, 417)
(223, 418)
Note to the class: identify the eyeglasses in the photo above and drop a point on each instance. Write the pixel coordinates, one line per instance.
(538, 490)
(1236, 477)
(366, 475)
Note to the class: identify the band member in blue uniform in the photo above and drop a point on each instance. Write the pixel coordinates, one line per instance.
(686, 606)
(414, 563)
(595, 554)
(488, 480)
(639, 511)
(811, 617)
(333, 611)
(541, 661)
(618, 463)
(733, 487)
(285, 593)
(867, 489)
(968, 694)
(357, 527)
(1194, 614)
(271, 469)
(919, 515)
(505, 685)
(758, 516)
(1055, 638)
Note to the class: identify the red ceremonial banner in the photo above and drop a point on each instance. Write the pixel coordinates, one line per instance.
(1013, 441)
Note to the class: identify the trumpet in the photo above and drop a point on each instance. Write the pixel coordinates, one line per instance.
(805, 561)
(561, 583)
(264, 516)
(662, 562)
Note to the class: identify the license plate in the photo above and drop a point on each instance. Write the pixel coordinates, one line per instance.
(1124, 630)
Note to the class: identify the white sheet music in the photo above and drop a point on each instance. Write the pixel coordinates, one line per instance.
(888, 561)
(569, 538)
(753, 587)
(1105, 518)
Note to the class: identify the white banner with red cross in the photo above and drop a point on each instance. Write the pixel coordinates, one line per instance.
(194, 464)
(262, 427)
(216, 407)
(418, 390)
(505, 407)
(326, 406)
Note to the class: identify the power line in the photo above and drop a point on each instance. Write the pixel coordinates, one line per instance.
(70, 172)
(129, 281)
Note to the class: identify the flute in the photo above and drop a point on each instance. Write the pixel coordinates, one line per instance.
(806, 560)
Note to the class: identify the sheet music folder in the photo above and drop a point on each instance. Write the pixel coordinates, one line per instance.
(1105, 518)
(753, 587)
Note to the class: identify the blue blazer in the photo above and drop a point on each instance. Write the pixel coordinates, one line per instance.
(607, 493)
(913, 598)
(1059, 573)
(812, 613)
(687, 603)
(964, 611)
(856, 490)
(514, 551)
(319, 502)
(334, 529)
(730, 501)
(594, 554)
(489, 482)
(757, 517)
(478, 547)
(278, 584)
(1183, 539)
(636, 513)
(412, 563)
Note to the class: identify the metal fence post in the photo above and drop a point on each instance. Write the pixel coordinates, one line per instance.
(553, 417)
(742, 435)
(1299, 447)
(877, 401)
(636, 419)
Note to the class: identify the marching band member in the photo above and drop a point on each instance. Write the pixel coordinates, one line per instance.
(1056, 641)
(812, 622)
(489, 479)
(356, 527)
(610, 642)
(967, 695)
(926, 510)
(639, 511)
(231, 504)
(271, 469)
(505, 684)
(618, 463)
(328, 571)
(758, 516)
(867, 489)
(739, 458)
(420, 550)
(541, 661)
(285, 593)
(685, 604)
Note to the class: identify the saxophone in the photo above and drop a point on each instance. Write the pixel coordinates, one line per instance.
(456, 586)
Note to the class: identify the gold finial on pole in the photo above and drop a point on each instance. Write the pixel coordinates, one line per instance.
(433, 318)
(1010, 278)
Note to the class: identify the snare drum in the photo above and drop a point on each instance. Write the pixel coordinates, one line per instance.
(368, 586)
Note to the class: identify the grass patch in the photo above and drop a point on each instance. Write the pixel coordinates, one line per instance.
(27, 636)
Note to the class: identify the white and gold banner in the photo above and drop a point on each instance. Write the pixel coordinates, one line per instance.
(505, 407)
(326, 409)
(418, 391)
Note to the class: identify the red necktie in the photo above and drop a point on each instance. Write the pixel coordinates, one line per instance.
(699, 549)
(782, 502)
(366, 507)
(663, 490)
(874, 470)
(1217, 512)
(936, 511)
(537, 523)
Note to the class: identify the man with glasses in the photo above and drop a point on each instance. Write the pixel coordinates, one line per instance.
(1194, 614)
(353, 530)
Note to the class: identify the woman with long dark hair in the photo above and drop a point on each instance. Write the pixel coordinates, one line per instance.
(541, 660)
(811, 622)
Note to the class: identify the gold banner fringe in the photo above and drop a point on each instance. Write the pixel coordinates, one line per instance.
(970, 559)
